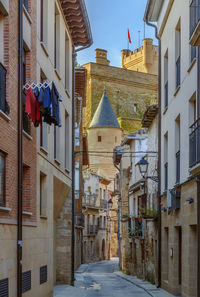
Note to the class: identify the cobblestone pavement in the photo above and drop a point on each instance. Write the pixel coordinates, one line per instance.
(103, 279)
(100, 280)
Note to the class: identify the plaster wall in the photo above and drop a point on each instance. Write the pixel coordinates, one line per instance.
(178, 99)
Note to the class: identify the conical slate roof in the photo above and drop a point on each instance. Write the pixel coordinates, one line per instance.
(104, 115)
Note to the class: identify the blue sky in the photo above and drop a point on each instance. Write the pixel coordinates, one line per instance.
(109, 20)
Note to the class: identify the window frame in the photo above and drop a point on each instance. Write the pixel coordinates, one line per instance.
(3, 201)
(2, 68)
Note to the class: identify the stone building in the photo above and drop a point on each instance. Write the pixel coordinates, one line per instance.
(47, 204)
(130, 89)
(179, 168)
(81, 161)
(138, 195)
(95, 210)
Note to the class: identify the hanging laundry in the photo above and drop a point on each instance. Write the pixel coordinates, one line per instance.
(43, 102)
(32, 108)
(55, 104)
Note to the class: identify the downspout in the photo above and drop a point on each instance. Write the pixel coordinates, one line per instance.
(119, 215)
(73, 157)
(20, 87)
(198, 183)
(159, 143)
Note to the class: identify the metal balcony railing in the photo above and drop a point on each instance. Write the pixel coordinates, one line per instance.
(194, 15)
(92, 229)
(178, 167)
(194, 139)
(178, 72)
(89, 200)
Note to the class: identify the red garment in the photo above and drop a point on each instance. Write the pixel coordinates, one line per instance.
(32, 107)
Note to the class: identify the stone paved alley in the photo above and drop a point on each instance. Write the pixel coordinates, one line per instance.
(102, 279)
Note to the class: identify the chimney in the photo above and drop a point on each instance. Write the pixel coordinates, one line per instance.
(101, 57)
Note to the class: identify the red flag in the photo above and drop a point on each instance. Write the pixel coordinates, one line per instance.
(129, 37)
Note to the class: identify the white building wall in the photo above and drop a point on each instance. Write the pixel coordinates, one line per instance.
(178, 103)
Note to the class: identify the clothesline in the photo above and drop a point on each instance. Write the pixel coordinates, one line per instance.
(39, 85)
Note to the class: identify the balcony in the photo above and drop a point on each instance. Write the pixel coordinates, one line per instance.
(89, 200)
(92, 230)
(178, 167)
(195, 23)
(194, 140)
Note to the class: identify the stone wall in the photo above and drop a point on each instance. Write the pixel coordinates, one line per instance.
(124, 89)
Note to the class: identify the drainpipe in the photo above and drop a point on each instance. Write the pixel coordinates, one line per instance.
(20, 87)
(73, 157)
(159, 142)
(198, 182)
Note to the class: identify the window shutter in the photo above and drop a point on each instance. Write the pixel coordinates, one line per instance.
(2, 88)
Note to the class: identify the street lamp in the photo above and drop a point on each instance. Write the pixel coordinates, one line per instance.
(143, 167)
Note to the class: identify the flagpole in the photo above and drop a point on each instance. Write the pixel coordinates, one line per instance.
(127, 40)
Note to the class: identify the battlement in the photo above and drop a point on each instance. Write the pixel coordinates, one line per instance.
(143, 59)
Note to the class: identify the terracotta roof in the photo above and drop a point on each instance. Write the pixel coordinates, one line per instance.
(77, 20)
(149, 115)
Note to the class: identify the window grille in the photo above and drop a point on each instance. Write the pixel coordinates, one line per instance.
(4, 287)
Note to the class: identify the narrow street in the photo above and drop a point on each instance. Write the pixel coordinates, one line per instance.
(99, 280)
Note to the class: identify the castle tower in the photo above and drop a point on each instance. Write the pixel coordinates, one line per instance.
(143, 59)
(104, 134)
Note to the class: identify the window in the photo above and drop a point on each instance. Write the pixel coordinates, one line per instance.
(100, 193)
(135, 107)
(104, 194)
(178, 53)
(57, 39)
(25, 2)
(166, 160)
(192, 110)
(166, 77)
(193, 53)
(67, 142)
(26, 120)
(99, 138)
(43, 21)
(44, 136)
(56, 143)
(43, 194)
(67, 61)
(115, 139)
(2, 178)
(3, 105)
(1, 39)
(177, 148)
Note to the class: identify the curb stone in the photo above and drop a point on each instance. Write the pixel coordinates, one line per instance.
(150, 289)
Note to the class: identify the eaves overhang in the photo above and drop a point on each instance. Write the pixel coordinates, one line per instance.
(152, 10)
(78, 22)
